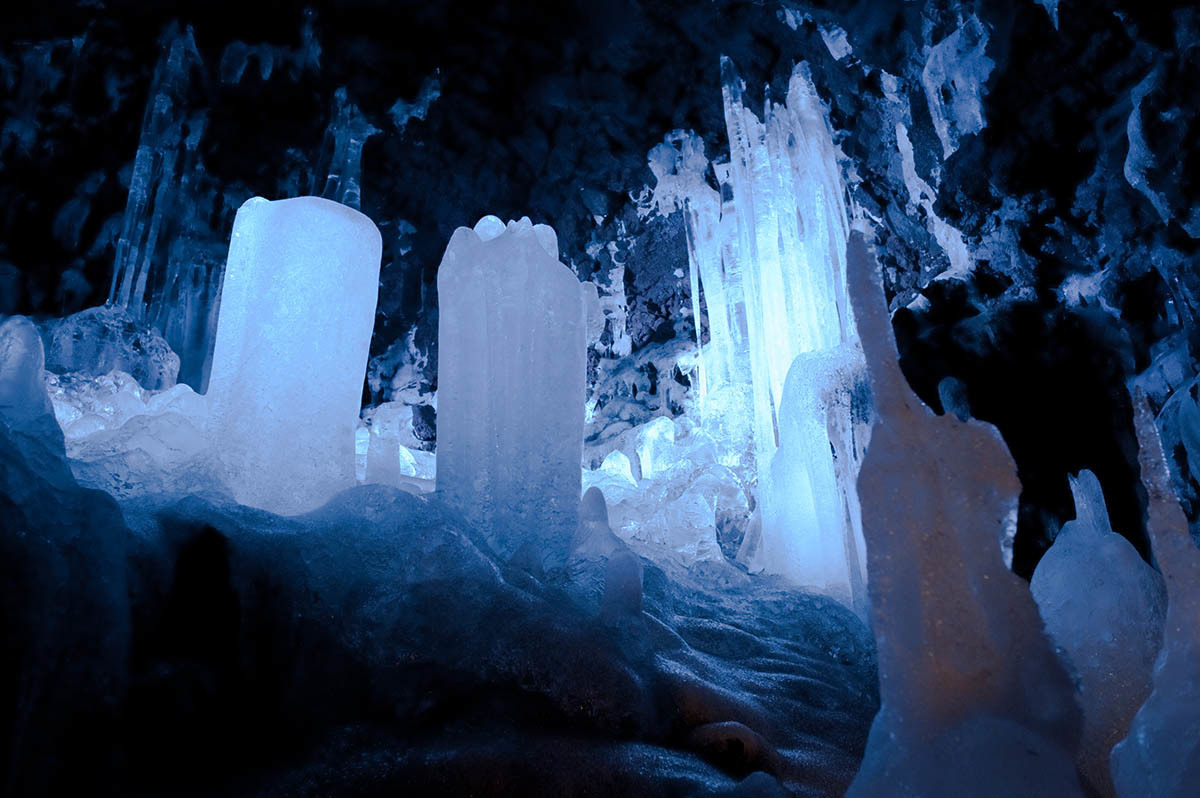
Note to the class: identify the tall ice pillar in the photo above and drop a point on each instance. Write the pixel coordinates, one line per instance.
(512, 362)
(293, 337)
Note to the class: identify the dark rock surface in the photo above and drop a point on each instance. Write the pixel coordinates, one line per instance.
(377, 646)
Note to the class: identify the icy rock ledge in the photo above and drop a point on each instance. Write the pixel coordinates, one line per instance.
(98, 340)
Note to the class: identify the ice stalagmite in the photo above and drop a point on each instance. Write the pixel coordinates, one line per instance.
(1161, 755)
(973, 699)
(297, 310)
(511, 382)
(1103, 607)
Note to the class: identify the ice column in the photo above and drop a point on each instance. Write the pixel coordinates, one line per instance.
(511, 382)
(297, 310)
(792, 229)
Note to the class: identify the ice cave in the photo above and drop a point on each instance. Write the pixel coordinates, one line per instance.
(636, 398)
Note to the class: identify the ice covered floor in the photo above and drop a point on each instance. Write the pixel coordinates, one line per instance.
(375, 646)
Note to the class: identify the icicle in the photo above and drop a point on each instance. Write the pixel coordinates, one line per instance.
(153, 186)
(340, 168)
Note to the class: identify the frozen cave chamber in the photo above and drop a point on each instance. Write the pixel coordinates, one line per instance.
(288, 518)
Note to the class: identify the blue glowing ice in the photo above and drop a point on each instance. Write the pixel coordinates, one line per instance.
(297, 311)
(768, 278)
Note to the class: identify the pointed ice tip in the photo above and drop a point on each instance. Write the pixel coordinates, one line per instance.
(1090, 507)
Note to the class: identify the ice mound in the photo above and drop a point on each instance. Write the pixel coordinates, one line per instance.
(512, 362)
(132, 442)
(1103, 607)
(974, 700)
(297, 311)
(667, 493)
(98, 340)
(378, 613)
(62, 586)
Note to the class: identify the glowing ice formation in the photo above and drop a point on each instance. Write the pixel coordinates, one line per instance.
(512, 363)
(769, 264)
(680, 497)
(974, 701)
(809, 521)
(297, 310)
(1103, 606)
(1161, 755)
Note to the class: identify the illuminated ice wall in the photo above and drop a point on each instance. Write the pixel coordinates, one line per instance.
(782, 380)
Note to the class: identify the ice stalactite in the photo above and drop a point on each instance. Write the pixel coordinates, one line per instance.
(679, 164)
(1051, 7)
(162, 277)
(403, 111)
(153, 186)
(1161, 755)
(273, 58)
(512, 368)
(297, 311)
(338, 174)
(768, 279)
(973, 699)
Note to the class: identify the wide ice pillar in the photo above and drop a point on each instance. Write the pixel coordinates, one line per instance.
(297, 310)
(512, 364)
(1103, 607)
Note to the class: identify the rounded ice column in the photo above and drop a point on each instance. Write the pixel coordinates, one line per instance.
(512, 365)
(293, 338)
